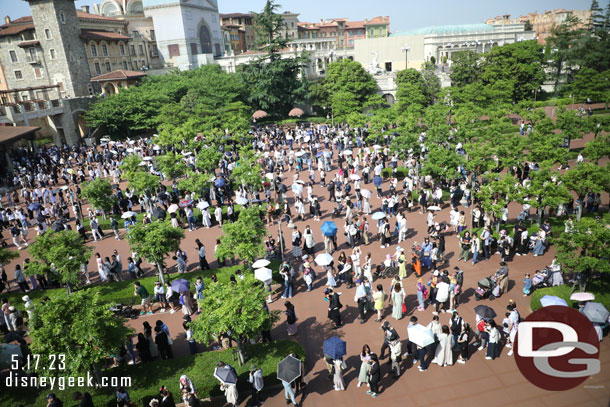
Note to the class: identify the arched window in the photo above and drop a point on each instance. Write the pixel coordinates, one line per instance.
(135, 7)
(205, 40)
(110, 9)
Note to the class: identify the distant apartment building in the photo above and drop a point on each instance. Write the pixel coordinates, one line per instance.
(242, 33)
(541, 23)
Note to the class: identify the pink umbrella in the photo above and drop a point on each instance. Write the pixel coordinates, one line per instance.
(259, 114)
(296, 112)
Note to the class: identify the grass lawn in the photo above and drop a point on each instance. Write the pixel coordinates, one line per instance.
(122, 291)
(146, 379)
(600, 287)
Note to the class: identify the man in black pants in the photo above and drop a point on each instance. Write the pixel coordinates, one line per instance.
(362, 300)
(334, 307)
(389, 335)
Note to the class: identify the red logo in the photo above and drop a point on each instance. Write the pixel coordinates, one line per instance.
(557, 348)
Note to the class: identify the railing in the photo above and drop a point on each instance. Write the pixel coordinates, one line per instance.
(35, 59)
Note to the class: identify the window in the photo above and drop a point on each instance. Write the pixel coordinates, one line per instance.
(38, 73)
(47, 33)
(135, 65)
(141, 49)
(154, 51)
(93, 50)
(98, 70)
(193, 48)
(173, 49)
(52, 53)
(108, 67)
(124, 65)
(122, 49)
(104, 50)
(152, 34)
(205, 40)
(135, 32)
(388, 67)
(18, 75)
(32, 53)
(132, 50)
(13, 56)
(62, 17)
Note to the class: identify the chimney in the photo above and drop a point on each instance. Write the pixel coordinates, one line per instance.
(85, 9)
(7, 19)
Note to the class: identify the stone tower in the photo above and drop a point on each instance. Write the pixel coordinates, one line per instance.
(57, 27)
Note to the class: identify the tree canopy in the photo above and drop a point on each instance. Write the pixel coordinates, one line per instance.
(244, 237)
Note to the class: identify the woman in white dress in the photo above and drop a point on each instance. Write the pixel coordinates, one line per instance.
(366, 206)
(338, 376)
(206, 218)
(218, 215)
(368, 266)
(100, 267)
(444, 349)
(330, 277)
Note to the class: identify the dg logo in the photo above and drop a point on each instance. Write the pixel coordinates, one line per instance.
(557, 348)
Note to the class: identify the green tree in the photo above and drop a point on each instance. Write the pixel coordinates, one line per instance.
(350, 88)
(130, 165)
(465, 68)
(442, 162)
(78, 332)
(243, 238)
(235, 307)
(598, 148)
(208, 158)
(7, 255)
(64, 251)
(154, 242)
(171, 165)
(99, 193)
(410, 88)
(247, 173)
(547, 191)
(587, 177)
(195, 182)
(585, 247)
(560, 49)
(498, 193)
(143, 183)
(590, 84)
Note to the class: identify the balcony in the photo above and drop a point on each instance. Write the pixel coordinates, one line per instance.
(32, 59)
(29, 110)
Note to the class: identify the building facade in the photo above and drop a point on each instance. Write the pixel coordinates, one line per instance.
(245, 21)
(188, 33)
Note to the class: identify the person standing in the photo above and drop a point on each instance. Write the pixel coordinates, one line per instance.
(362, 300)
(363, 373)
(114, 225)
(379, 299)
(288, 393)
(334, 307)
(162, 341)
(442, 296)
(389, 335)
(338, 381)
(494, 338)
(203, 263)
(145, 297)
(397, 299)
(21, 280)
(374, 376)
(291, 318)
(395, 357)
(256, 379)
(444, 350)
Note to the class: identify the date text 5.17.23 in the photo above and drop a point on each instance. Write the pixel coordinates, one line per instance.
(36, 362)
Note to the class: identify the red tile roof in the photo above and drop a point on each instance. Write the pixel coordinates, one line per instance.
(14, 29)
(378, 20)
(354, 24)
(118, 75)
(103, 35)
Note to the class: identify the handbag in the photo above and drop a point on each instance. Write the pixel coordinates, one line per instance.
(404, 308)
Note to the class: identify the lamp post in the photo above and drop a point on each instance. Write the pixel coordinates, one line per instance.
(406, 50)
(279, 226)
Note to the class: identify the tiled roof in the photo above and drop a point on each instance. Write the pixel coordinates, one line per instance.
(232, 15)
(103, 35)
(118, 75)
(13, 133)
(354, 24)
(14, 29)
(378, 20)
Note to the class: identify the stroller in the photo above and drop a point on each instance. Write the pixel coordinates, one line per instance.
(487, 288)
(125, 311)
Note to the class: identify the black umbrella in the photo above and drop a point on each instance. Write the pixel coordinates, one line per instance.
(485, 312)
(159, 214)
(57, 226)
(225, 375)
(289, 369)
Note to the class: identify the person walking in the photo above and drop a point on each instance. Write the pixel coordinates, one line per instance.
(203, 263)
(162, 341)
(389, 335)
(379, 300)
(363, 373)
(494, 338)
(362, 300)
(288, 393)
(395, 358)
(334, 307)
(255, 378)
(114, 225)
(338, 382)
(374, 376)
(291, 318)
(465, 242)
(144, 296)
(21, 280)
(397, 300)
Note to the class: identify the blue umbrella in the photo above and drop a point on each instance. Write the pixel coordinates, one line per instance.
(329, 228)
(34, 206)
(319, 154)
(180, 285)
(335, 348)
(377, 181)
(220, 182)
(549, 300)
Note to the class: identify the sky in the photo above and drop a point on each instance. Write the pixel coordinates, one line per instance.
(404, 14)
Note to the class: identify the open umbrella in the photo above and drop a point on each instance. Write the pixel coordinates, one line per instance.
(378, 215)
(582, 297)
(299, 153)
(186, 202)
(377, 147)
(225, 375)
(263, 274)
(323, 259)
(354, 177)
(485, 312)
(307, 139)
(596, 312)
(348, 152)
(289, 369)
(220, 182)
(34, 206)
(241, 201)
(335, 347)
(377, 181)
(319, 154)
(433, 208)
(173, 208)
(202, 205)
(296, 112)
(128, 214)
(180, 285)
(366, 193)
(156, 148)
(261, 263)
(549, 300)
(259, 114)
(420, 335)
(329, 228)
(147, 158)
(269, 175)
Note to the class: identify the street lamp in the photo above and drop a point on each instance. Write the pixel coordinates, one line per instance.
(406, 50)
